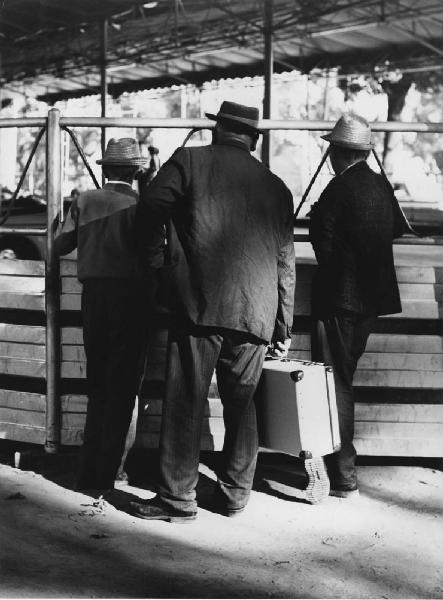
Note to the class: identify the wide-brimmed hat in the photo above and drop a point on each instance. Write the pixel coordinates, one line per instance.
(231, 112)
(351, 131)
(122, 152)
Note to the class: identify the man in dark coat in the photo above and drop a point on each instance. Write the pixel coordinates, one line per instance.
(100, 225)
(232, 287)
(351, 230)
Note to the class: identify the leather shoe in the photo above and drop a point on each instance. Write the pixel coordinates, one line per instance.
(342, 493)
(220, 505)
(157, 510)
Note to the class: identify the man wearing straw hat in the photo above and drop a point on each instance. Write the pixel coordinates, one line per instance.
(100, 225)
(232, 293)
(352, 228)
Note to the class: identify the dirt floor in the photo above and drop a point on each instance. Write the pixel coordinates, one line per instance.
(388, 543)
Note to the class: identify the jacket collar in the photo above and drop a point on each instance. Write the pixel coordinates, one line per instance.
(233, 141)
(121, 187)
(357, 165)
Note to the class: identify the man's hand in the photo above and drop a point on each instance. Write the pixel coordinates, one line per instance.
(279, 349)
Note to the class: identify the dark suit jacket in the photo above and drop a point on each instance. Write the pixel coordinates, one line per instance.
(100, 224)
(232, 238)
(351, 230)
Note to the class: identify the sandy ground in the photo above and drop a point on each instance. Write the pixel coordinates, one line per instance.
(388, 543)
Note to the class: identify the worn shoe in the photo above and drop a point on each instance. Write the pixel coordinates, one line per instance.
(220, 505)
(156, 510)
(348, 494)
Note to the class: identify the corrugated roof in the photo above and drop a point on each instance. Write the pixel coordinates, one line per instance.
(51, 48)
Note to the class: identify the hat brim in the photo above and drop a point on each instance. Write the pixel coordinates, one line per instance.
(131, 162)
(346, 144)
(240, 122)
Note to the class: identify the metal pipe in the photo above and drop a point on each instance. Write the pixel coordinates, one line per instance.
(4, 217)
(22, 231)
(52, 284)
(268, 69)
(28, 122)
(311, 183)
(82, 155)
(103, 79)
(288, 124)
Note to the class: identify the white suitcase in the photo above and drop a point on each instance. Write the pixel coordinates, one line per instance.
(297, 414)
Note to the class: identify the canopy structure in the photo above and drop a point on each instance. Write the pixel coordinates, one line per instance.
(55, 49)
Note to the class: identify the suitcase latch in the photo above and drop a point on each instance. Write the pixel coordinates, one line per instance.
(297, 375)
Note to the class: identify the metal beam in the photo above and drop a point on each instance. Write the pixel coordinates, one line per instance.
(268, 71)
(103, 77)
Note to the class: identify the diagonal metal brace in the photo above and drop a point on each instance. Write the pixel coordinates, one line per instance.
(7, 213)
(82, 155)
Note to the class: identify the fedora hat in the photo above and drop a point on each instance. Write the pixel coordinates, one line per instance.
(122, 152)
(231, 112)
(351, 131)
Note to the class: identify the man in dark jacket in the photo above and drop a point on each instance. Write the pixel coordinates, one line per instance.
(232, 288)
(351, 230)
(100, 225)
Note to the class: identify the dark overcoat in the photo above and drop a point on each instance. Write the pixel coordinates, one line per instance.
(351, 230)
(232, 246)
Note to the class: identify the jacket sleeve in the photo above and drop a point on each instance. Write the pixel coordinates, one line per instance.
(325, 216)
(66, 239)
(286, 277)
(158, 201)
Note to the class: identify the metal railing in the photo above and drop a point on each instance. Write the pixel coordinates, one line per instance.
(54, 124)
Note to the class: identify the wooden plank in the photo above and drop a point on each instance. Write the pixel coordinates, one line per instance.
(73, 353)
(31, 285)
(32, 351)
(70, 302)
(71, 285)
(421, 291)
(418, 309)
(417, 447)
(20, 366)
(402, 413)
(75, 403)
(68, 267)
(22, 433)
(398, 379)
(72, 335)
(382, 342)
(71, 437)
(400, 361)
(73, 370)
(22, 401)
(379, 429)
(29, 418)
(22, 301)
(28, 334)
(31, 268)
(415, 274)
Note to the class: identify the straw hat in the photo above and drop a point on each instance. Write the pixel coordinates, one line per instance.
(231, 112)
(351, 131)
(122, 152)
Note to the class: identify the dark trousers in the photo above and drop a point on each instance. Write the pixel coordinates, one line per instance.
(340, 341)
(114, 333)
(194, 353)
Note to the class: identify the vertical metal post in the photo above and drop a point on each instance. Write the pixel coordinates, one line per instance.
(103, 78)
(52, 284)
(268, 70)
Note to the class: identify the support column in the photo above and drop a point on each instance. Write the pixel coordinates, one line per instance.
(268, 70)
(103, 78)
(52, 284)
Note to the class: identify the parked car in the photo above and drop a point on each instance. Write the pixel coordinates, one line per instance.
(28, 212)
